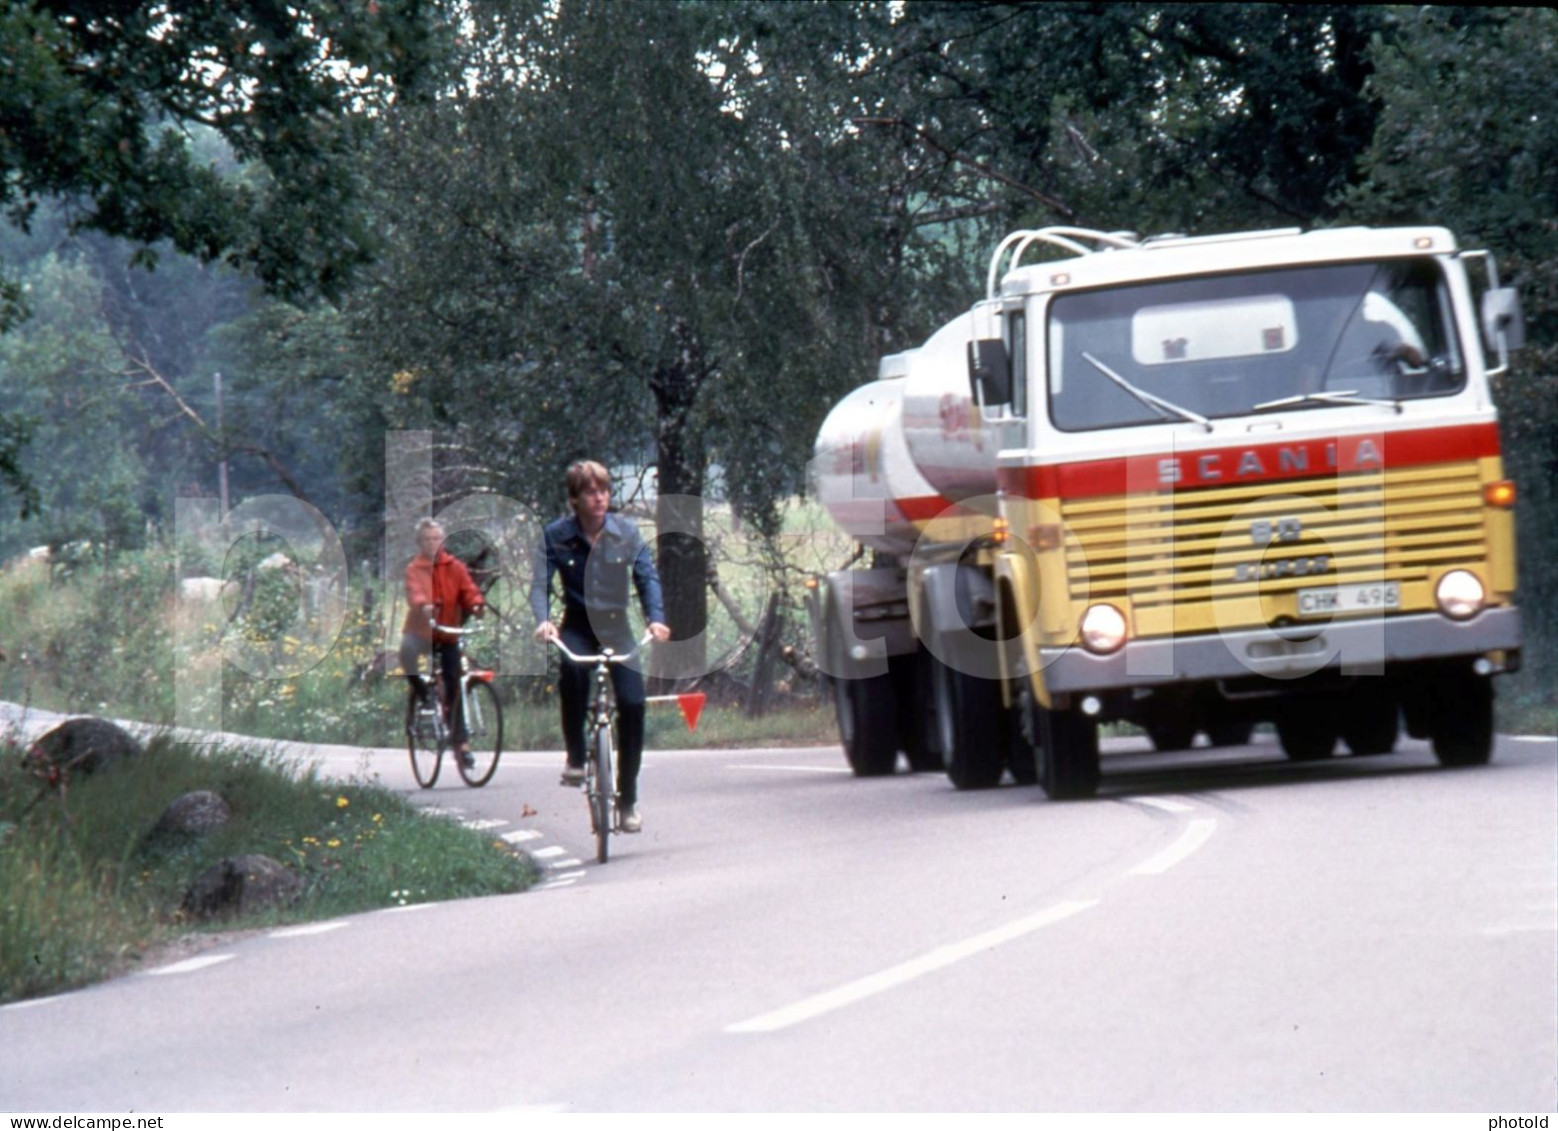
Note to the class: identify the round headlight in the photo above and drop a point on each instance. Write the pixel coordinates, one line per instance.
(1460, 594)
(1103, 628)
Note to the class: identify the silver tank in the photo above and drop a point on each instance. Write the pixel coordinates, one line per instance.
(906, 447)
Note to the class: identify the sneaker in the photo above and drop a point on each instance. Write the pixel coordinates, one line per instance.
(467, 759)
(631, 821)
(573, 775)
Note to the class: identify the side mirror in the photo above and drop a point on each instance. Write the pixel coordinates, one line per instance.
(989, 371)
(1501, 314)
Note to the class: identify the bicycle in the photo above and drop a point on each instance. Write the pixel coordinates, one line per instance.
(427, 731)
(600, 744)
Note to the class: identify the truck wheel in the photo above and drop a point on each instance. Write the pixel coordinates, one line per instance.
(1171, 733)
(968, 714)
(1229, 732)
(868, 724)
(917, 720)
(1068, 753)
(1463, 719)
(1371, 723)
(1307, 735)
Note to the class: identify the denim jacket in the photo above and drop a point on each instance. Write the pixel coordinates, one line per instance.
(595, 578)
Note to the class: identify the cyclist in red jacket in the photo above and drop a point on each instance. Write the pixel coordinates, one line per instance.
(438, 586)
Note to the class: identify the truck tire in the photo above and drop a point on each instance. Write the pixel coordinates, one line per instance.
(1229, 732)
(1068, 753)
(1462, 712)
(917, 736)
(1306, 732)
(1371, 723)
(968, 716)
(867, 713)
(1171, 733)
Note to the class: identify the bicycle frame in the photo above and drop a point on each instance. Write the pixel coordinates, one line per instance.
(601, 716)
(471, 712)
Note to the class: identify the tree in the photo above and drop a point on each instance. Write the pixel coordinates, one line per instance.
(1188, 117)
(99, 100)
(641, 234)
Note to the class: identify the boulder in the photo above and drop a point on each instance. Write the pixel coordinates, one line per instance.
(191, 815)
(241, 885)
(84, 746)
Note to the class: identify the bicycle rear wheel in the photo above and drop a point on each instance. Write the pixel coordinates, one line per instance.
(423, 742)
(484, 726)
(601, 797)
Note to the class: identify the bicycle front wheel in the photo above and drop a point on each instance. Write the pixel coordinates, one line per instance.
(422, 742)
(484, 726)
(601, 799)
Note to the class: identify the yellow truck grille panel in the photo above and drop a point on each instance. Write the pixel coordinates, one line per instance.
(1196, 560)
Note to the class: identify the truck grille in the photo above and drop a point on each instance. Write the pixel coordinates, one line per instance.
(1177, 556)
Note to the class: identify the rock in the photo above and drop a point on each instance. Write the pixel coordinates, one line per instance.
(191, 815)
(84, 746)
(241, 885)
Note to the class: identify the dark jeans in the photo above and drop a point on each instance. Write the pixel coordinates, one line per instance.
(413, 661)
(574, 685)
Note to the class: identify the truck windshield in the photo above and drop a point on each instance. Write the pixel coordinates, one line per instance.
(1298, 338)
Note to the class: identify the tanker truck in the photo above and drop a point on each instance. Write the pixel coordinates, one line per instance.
(1190, 483)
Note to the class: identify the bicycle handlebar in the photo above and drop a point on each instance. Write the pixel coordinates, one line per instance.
(453, 630)
(607, 657)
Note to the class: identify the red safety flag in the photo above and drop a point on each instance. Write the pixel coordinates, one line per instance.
(692, 706)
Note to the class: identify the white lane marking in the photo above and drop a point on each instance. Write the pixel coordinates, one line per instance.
(519, 836)
(30, 1002)
(1196, 833)
(1533, 738)
(571, 862)
(549, 852)
(1165, 804)
(797, 769)
(190, 965)
(308, 929)
(896, 976)
(484, 823)
(1520, 928)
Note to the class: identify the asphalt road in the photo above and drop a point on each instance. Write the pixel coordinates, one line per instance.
(1219, 930)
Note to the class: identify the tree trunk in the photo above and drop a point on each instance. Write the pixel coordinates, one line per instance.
(683, 558)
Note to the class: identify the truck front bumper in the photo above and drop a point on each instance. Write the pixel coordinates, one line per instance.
(1355, 647)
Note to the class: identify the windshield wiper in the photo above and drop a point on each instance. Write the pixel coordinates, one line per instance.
(1341, 397)
(1146, 398)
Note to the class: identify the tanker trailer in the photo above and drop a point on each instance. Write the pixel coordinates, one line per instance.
(1189, 483)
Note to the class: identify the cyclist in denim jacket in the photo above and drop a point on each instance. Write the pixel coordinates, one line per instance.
(596, 553)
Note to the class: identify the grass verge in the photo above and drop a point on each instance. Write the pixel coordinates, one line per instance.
(86, 892)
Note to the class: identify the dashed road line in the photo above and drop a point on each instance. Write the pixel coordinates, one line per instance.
(308, 929)
(896, 976)
(190, 965)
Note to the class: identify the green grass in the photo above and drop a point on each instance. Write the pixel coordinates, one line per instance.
(86, 894)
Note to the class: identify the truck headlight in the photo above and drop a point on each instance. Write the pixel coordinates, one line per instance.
(1103, 628)
(1460, 594)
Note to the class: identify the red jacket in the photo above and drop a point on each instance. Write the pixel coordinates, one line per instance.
(444, 583)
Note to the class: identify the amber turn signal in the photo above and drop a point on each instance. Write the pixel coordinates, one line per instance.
(1500, 493)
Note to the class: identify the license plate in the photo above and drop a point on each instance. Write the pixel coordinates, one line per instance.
(1371, 597)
